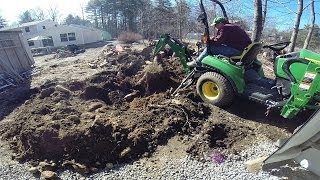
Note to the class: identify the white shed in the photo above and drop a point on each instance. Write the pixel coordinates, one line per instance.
(15, 54)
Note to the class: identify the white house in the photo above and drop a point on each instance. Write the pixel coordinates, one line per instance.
(47, 33)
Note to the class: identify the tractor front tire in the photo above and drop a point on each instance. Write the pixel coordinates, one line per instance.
(215, 89)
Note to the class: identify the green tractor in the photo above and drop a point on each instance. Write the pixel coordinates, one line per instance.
(220, 79)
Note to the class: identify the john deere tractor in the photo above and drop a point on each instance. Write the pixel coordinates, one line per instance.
(220, 79)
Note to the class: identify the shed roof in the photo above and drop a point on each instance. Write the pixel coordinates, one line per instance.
(23, 25)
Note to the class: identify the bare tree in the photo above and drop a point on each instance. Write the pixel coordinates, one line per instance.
(264, 12)
(258, 21)
(312, 18)
(53, 13)
(182, 19)
(296, 26)
(38, 13)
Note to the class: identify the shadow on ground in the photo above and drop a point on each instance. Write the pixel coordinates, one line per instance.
(256, 112)
(13, 97)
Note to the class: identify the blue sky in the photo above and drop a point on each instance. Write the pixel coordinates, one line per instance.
(11, 9)
(280, 13)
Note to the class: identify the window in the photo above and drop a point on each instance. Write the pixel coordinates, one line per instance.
(7, 43)
(68, 37)
(63, 37)
(43, 27)
(27, 29)
(47, 42)
(31, 43)
(72, 36)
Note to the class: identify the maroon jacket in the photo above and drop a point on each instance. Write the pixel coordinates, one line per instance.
(232, 36)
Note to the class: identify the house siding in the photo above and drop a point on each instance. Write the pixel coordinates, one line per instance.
(83, 34)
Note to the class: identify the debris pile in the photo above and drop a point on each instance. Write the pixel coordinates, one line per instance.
(118, 115)
(61, 53)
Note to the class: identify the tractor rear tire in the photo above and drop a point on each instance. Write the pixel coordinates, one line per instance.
(215, 89)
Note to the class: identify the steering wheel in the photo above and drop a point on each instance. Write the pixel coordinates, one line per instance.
(277, 46)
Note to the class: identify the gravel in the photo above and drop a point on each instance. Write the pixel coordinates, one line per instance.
(166, 167)
(162, 168)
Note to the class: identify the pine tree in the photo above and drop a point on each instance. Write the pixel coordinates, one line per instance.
(25, 17)
(3, 22)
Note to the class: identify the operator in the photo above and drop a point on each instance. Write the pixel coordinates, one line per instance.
(230, 41)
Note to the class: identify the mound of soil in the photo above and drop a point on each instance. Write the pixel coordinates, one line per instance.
(119, 115)
(114, 116)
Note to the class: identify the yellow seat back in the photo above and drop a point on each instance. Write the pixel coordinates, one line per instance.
(249, 54)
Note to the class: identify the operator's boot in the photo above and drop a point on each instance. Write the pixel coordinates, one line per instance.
(193, 63)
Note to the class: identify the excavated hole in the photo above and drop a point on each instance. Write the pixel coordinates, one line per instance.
(95, 92)
(217, 134)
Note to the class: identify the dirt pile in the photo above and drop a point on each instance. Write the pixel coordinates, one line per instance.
(118, 115)
(122, 114)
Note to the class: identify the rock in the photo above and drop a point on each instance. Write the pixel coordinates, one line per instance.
(80, 168)
(108, 54)
(131, 96)
(74, 118)
(46, 92)
(125, 152)
(48, 174)
(33, 170)
(94, 106)
(88, 115)
(63, 89)
(93, 66)
(119, 48)
(44, 166)
(109, 165)
(94, 170)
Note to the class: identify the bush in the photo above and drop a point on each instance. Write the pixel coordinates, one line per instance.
(129, 37)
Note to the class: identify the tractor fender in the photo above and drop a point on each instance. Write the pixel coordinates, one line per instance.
(234, 73)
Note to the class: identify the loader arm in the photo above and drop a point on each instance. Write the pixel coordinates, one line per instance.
(180, 49)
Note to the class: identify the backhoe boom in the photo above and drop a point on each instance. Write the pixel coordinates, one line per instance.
(180, 49)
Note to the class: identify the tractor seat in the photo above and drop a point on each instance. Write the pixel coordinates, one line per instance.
(248, 55)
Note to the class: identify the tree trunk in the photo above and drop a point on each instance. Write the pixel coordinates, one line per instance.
(102, 18)
(296, 26)
(264, 12)
(312, 18)
(131, 23)
(96, 24)
(257, 27)
(180, 20)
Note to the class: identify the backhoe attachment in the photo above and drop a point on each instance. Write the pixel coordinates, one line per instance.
(180, 49)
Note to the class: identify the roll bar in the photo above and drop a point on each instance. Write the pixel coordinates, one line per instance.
(203, 18)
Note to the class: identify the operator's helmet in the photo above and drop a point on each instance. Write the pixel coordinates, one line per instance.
(218, 20)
